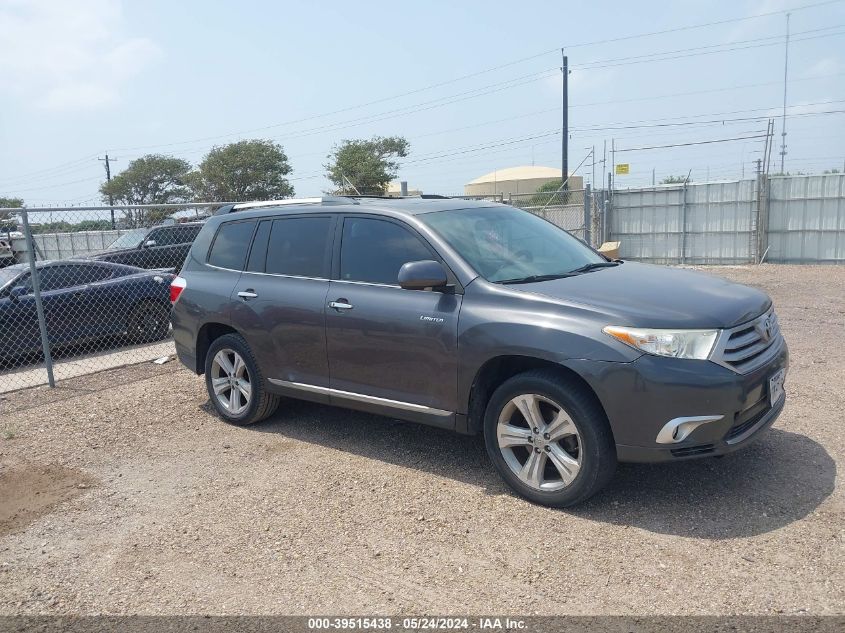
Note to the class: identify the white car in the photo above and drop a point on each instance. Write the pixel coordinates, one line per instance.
(7, 257)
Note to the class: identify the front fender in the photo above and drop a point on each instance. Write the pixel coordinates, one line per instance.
(494, 324)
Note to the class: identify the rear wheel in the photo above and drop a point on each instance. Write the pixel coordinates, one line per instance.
(148, 321)
(549, 438)
(234, 382)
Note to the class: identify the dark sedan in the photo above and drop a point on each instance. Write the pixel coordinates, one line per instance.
(163, 246)
(83, 301)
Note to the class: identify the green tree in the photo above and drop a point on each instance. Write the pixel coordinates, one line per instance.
(151, 179)
(366, 165)
(247, 170)
(6, 223)
(547, 194)
(674, 180)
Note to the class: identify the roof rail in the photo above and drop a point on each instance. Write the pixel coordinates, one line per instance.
(240, 206)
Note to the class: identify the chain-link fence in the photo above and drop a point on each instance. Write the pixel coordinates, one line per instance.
(575, 210)
(87, 289)
(571, 209)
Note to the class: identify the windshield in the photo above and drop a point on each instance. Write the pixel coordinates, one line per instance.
(505, 244)
(129, 240)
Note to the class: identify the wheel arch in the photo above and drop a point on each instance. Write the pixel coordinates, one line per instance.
(498, 369)
(207, 334)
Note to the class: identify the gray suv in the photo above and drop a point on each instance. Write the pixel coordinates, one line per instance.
(482, 319)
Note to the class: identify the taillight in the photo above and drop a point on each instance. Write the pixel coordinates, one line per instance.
(176, 288)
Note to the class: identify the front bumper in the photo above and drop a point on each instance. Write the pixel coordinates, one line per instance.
(640, 397)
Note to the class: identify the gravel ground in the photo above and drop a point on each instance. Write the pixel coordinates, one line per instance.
(121, 493)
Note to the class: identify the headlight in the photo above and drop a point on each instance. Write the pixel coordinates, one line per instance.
(675, 343)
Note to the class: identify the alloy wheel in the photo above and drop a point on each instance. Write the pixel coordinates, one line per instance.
(230, 380)
(539, 442)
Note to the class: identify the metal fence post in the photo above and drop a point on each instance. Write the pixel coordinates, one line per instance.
(762, 242)
(684, 224)
(39, 306)
(605, 219)
(587, 215)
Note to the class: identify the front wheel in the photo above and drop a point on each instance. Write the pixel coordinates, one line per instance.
(549, 438)
(235, 384)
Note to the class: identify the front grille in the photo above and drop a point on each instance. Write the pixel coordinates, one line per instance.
(745, 420)
(745, 347)
(739, 429)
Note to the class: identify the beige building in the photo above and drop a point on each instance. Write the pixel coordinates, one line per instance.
(517, 180)
(394, 190)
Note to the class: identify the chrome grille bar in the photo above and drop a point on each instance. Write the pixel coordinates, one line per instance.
(744, 348)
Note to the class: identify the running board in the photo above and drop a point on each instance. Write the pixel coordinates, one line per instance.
(360, 397)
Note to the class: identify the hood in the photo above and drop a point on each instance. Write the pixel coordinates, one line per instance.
(644, 295)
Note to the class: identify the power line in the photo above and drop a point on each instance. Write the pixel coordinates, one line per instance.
(704, 25)
(478, 73)
(775, 39)
(55, 167)
(673, 56)
(54, 186)
(454, 98)
(719, 140)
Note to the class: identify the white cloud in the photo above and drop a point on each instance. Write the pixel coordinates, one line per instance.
(70, 55)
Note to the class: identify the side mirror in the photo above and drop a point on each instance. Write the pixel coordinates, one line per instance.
(17, 292)
(422, 274)
(149, 243)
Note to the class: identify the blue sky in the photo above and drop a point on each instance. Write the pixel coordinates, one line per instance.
(85, 77)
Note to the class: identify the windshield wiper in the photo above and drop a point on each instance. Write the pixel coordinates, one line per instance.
(532, 278)
(593, 266)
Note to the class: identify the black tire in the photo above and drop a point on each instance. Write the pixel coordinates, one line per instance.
(148, 321)
(261, 404)
(595, 446)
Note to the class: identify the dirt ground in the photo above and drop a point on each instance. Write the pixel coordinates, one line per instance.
(122, 493)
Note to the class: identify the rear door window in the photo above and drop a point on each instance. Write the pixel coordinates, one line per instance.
(258, 252)
(231, 245)
(298, 247)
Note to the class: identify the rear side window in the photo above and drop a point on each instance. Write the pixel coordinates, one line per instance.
(298, 247)
(231, 244)
(375, 250)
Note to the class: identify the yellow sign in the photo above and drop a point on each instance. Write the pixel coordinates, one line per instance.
(623, 168)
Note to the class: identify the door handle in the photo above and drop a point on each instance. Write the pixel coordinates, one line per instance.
(340, 304)
(248, 294)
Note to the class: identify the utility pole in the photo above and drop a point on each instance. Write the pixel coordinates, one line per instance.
(783, 123)
(652, 176)
(108, 160)
(564, 141)
(604, 162)
(613, 159)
